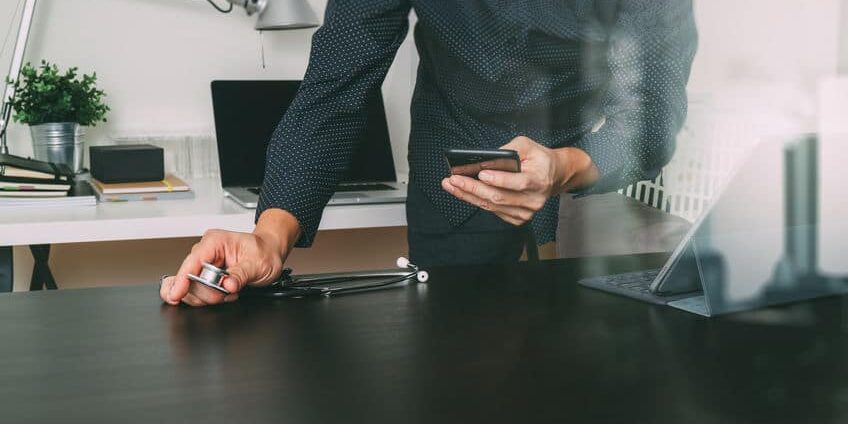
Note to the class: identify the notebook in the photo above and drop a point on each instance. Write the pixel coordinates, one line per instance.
(31, 193)
(171, 183)
(9, 186)
(22, 177)
(81, 194)
(133, 197)
(19, 169)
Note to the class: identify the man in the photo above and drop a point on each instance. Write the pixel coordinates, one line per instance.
(590, 93)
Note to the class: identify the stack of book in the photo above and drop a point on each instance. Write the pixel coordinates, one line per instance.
(27, 182)
(171, 188)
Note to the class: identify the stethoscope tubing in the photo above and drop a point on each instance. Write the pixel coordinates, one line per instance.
(328, 291)
(348, 276)
(318, 284)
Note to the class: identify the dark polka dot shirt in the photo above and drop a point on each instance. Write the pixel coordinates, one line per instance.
(608, 77)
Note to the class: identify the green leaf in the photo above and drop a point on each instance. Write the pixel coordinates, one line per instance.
(45, 95)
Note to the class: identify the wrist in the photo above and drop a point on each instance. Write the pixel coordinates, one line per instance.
(574, 169)
(279, 229)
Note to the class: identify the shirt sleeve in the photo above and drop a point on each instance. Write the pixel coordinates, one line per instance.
(311, 148)
(651, 47)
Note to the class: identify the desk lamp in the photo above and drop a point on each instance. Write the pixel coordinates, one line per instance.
(272, 15)
(278, 15)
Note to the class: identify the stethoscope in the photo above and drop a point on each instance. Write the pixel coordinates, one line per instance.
(315, 285)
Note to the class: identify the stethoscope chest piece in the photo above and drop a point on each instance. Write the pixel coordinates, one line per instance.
(211, 276)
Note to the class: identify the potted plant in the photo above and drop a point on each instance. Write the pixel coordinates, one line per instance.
(58, 106)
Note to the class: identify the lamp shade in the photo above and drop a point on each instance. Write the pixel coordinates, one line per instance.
(286, 14)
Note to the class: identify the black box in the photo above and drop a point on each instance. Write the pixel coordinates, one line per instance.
(127, 163)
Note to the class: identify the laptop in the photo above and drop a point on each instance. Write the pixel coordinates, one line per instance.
(248, 112)
(758, 244)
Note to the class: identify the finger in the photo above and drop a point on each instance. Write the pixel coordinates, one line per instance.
(510, 220)
(244, 274)
(208, 295)
(205, 251)
(463, 195)
(515, 181)
(450, 188)
(493, 195)
(192, 300)
(518, 214)
(466, 184)
(165, 289)
(521, 144)
(236, 278)
(181, 284)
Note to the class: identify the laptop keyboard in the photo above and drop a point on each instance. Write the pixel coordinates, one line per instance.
(342, 188)
(346, 188)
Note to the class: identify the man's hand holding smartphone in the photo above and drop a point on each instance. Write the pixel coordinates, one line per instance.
(470, 162)
(516, 196)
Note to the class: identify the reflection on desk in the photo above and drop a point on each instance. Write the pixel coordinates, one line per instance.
(476, 344)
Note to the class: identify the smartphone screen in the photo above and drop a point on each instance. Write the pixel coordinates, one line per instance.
(470, 162)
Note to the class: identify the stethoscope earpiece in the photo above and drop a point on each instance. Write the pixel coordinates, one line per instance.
(421, 276)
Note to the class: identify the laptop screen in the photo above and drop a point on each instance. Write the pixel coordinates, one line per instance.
(246, 114)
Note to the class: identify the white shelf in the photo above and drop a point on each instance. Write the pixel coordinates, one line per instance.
(167, 219)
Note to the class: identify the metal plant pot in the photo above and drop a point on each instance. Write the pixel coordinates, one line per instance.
(60, 142)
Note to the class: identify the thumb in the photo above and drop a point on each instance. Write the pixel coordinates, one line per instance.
(236, 279)
(520, 144)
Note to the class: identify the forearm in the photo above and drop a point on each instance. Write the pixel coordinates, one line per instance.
(574, 170)
(310, 150)
(279, 228)
(651, 47)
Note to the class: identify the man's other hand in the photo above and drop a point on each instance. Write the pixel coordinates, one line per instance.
(250, 259)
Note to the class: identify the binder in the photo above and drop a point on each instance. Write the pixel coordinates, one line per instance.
(16, 169)
(22, 177)
(81, 194)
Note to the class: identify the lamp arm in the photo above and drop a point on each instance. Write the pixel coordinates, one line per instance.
(15, 70)
(250, 6)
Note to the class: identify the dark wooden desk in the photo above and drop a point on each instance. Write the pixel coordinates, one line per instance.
(518, 344)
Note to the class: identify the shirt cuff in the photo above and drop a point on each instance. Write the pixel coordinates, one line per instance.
(610, 157)
(304, 195)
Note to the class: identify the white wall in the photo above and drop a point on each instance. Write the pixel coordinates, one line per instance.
(764, 40)
(843, 37)
(155, 59)
(766, 57)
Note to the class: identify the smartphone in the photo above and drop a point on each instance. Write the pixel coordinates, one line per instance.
(470, 162)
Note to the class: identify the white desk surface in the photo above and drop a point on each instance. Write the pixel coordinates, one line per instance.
(167, 219)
